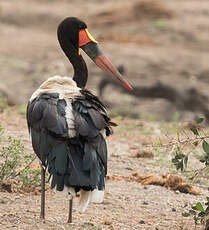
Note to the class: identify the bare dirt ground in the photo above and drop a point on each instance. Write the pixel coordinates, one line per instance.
(127, 204)
(163, 41)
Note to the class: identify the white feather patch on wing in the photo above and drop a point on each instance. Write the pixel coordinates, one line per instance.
(97, 196)
(70, 118)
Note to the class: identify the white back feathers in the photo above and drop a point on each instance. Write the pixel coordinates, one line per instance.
(67, 90)
(65, 86)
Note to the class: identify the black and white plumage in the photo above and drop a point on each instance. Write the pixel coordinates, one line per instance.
(67, 127)
(68, 124)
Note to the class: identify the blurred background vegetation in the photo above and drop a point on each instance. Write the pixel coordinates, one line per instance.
(162, 45)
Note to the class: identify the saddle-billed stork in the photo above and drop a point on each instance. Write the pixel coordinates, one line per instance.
(68, 124)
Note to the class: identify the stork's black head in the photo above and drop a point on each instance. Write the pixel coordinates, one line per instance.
(73, 35)
(69, 30)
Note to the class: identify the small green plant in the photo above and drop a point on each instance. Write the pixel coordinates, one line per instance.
(10, 156)
(198, 212)
(180, 160)
(205, 158)
(30, 177)
(15, 163)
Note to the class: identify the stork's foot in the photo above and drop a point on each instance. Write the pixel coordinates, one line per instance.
(69, 221)
(42, 219)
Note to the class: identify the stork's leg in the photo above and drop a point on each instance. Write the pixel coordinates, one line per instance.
(70, 210)
(43, 170)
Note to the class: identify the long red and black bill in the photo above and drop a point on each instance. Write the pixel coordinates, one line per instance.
(91, 49)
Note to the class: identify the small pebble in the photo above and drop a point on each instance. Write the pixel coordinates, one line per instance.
(145, 203)
(128, 168)
(173, 210)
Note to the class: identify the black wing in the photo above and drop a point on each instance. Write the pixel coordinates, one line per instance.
(47, 124)
(80, 161)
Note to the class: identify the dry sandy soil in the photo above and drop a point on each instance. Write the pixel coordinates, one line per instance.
(165, 41)
(127, 204)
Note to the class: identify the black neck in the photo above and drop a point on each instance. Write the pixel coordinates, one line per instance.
(79, 65)
(80, 72)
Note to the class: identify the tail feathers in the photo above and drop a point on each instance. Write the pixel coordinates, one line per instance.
(95, 196)
(85, 197)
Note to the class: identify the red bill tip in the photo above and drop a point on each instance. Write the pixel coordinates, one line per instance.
(127, 85)
(111, 71)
